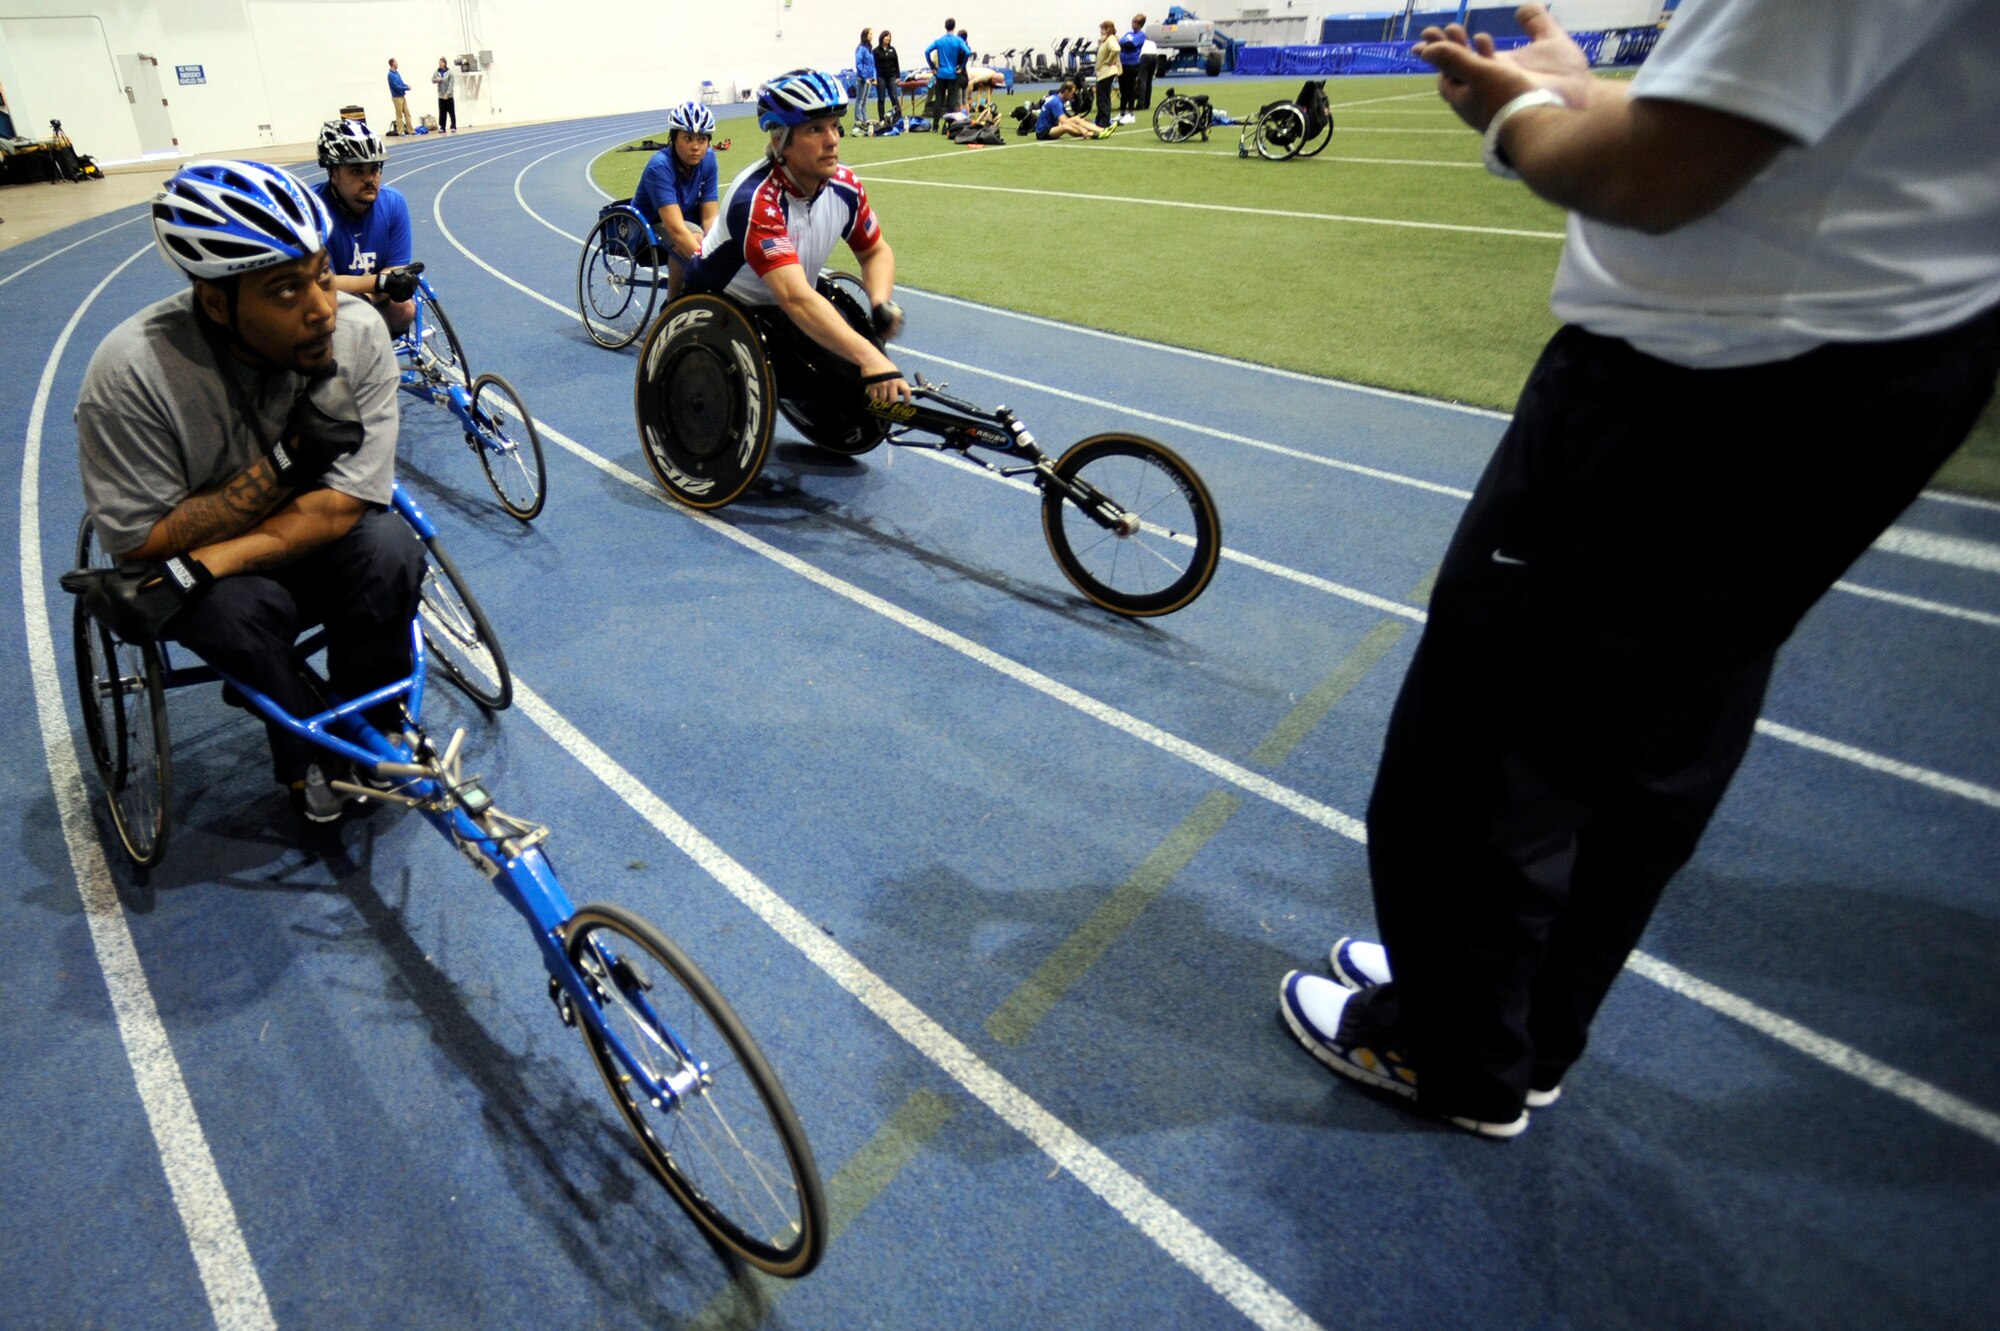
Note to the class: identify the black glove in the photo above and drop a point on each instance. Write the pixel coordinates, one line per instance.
(888, 318)
(324, 427)
(141, 596)
(398, 283)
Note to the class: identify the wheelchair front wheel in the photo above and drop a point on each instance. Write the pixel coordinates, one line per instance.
(703, 398)
(730, 1148)
(125, 721)
(1176, 120)
(509, 446)
(440, 358)
(1163, 545)
(457, 636)
(614, 291)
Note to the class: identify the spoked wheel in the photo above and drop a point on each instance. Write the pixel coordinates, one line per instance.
(456, 635)
(1279, 133)
(439, 356)
(703, 397)
(125, 721)
(1163, 546)
(509, 446)
(613, 289)
(1177, 119)
(730, 1148)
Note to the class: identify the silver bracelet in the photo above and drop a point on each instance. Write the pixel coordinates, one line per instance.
(1490, 150)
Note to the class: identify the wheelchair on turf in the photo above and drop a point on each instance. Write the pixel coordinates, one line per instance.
(1283, 130)
(621, 275)
(496, 422)
(708, 1115)
(1180, 117)
(1130, 524)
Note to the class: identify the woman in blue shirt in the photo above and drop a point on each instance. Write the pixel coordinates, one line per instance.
(864, 74)
(679, 191)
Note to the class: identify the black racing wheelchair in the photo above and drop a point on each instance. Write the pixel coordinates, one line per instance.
(1129, 523)
(1180, 117)
(1284, 130)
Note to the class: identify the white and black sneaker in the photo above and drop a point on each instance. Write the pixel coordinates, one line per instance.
(316, 801)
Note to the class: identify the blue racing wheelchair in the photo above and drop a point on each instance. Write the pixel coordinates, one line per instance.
(620, 276)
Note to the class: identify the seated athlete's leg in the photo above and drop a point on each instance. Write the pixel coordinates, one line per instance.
(676, 275)
(364, 588)
(245, 627)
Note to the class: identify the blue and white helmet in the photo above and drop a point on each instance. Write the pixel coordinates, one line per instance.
(691, 118)
(797, 96)
(221, 219)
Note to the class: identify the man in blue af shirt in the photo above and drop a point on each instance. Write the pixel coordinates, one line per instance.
(370, 241)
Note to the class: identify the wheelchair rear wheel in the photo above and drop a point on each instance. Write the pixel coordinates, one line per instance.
(1177, 119)
(457, 636)
(1278, 133)
(614, 291)
(125, 721)
(703, 396)
(1318, 144)
(509, 447)
(439, 356)
(818, 391)
(1161, 551)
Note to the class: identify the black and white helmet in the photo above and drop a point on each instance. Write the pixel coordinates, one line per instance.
(350, 143)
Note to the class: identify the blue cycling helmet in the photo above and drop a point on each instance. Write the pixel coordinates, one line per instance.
(797, 96)
(221, 219)
(691, 118)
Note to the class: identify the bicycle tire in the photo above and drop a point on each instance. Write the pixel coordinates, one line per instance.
(457, 635)
(452, 369)
(92, 651)
(510, 455)
(609, 250)
(1175, 512)
(787, 1236)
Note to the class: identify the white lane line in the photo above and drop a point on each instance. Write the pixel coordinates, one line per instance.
(222, 1259)
(72, 245)
(1221, 153)
(1968, 501)
(1174, 1233)
(1875, 762)
(523, 173)
(1919, 603)
(1983, 556)
(1076, 196)
(1933, 1100)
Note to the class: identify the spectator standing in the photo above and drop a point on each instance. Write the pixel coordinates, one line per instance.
(1782, 305)
(947, 57)
(1129, 45)
(888, 73)
(864, 75)
(399, 97)
(1150, 60)
(447, 103)
(1107, 69)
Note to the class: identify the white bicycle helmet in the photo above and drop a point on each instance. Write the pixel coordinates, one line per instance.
(221, 219)
(347, 142)
(691, 118)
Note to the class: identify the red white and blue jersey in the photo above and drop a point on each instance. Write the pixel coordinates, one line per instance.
(766, 223)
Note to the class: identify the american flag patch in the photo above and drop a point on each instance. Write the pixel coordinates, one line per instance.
(777, 247)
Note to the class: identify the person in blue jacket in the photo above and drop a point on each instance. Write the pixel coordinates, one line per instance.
(399, 92)
(864, 74)
(1055, 121)
(679, 192)
(1131, 46)
(947, 56)
(369, 245)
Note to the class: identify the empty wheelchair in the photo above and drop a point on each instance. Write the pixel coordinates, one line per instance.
(715, 373)
(620, 276)
(1284, 130)
(1179, 118)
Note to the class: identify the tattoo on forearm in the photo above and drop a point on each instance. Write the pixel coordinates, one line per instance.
(216, 515)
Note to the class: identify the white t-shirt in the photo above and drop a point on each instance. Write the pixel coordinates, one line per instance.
(1885, 221)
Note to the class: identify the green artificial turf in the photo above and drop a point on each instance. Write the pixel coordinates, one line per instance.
(1309, 264)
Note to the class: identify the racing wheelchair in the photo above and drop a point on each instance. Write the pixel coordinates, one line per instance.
(1130, 524)
(496, 422)
(708, 1114)
(620, 276)
(1283, 130)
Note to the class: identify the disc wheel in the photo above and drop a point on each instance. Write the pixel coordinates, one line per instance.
(509, 446)
(730, 1149)
(1163, 545)
(1280, 132)
(613, 289)
(439, 356)
(457, 637)
(1176, 120)
(125, 722)
(703, 398)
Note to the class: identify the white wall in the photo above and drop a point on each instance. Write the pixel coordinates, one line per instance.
(289, 64)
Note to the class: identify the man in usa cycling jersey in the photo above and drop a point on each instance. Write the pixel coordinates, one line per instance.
(781, 218)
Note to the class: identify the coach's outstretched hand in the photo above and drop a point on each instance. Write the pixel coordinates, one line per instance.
(140, 597)
(324, 427)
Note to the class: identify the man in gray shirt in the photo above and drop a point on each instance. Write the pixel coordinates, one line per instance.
(447, 102)
(237, 442)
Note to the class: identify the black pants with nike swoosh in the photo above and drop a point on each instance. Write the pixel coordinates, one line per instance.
(1603, 629)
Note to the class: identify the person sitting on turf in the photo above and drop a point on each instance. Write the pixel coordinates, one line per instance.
(677, 193)
(370, 245)
(1055, 121)
(238, 448)
(781, 217)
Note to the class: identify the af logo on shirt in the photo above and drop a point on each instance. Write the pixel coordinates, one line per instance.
(363, 261)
